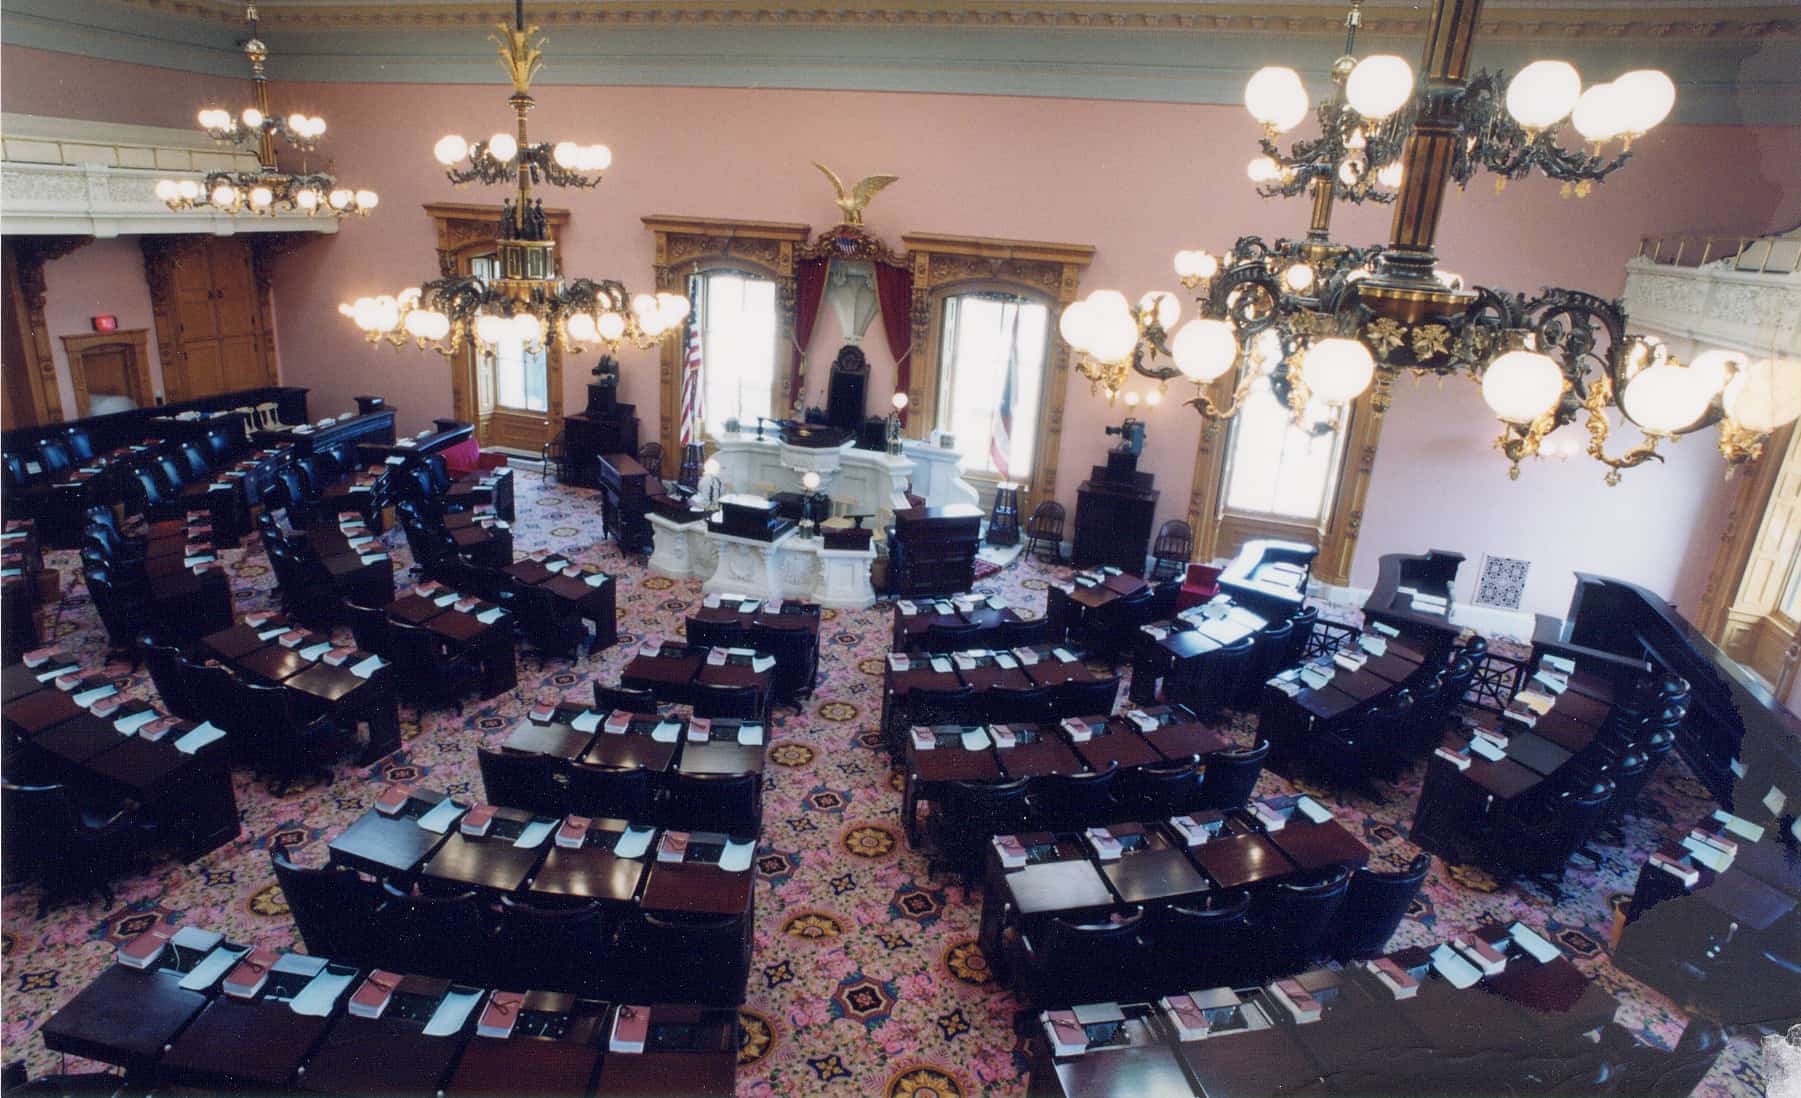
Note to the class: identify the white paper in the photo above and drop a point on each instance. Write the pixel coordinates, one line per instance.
(666, 732)
(271, 633)
(441, 816)
(1483, 746)
(368, 667)
(87, 698)
(1744, 829)
(199, 738)
(1530, 941)
(1313, 810)
(213, 969)
(196, 938)
(760, 664)
(1707, 854)
(535, 833)
(735, 858)
(318, 998)
(452, 1013)
(373, 558)
(634, 842)
(314, 651)
(941, 665)
(750, 735)
(598, 579)
(1775, 800)
(976, 740)
(131, 724)
(1451, 965)
(489, 617)
(586, 721)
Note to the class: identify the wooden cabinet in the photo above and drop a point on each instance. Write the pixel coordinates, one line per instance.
(212, 319)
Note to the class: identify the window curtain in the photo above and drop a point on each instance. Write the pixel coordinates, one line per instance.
(809, 292)
(894, 288)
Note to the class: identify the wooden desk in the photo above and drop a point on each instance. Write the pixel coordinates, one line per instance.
(593, 872)
(125, 1017)
(490, 863)
(240, 1045)
(696, 888)
(381, 1056)
(380, 845)
(1320, 845)
(1239, 860)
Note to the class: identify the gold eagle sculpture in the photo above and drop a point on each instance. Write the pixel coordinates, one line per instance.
(853, 202)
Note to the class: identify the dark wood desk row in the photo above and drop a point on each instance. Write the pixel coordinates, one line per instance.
(1164, 651)
(354, 686)
(631, 741)
(618, 864)
(1064, 875)
(677, 673)
(483, 628)
(783, 628)
(305, 1029)
(591, 593)
(981, 670)
(1721, 928)
(991, 617)
(1004, 753)
(1520, 1030)
(1067, 607)
(185, 790)
(1464, 788)
(21, 568)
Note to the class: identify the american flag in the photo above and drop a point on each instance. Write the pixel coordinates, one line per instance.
(692, 412)
(1000, 446)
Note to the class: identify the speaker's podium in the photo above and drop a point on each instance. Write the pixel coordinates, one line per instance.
(1114, 510)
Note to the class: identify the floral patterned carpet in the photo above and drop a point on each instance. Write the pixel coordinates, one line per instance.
(865, 978)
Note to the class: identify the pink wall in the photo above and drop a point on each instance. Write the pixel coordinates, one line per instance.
(1137, 180)
(104, 277)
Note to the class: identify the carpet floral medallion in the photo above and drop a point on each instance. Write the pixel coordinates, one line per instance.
(866, 979)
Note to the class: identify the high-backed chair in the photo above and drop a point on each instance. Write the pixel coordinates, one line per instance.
(609, 698)
(163, 662)
(1295, 917)
(732, 803)
(650, 455)
(607, 792)
(716, 634)
(433, 935)
(1161, 790)
(369, 626)
(333, 909)
(281, 742)
(1080, 962)
(1200, 583)
(1065, 802)
(969, 814)
(1201, 943)
(949, 636)
(1230, 777)
(1300, 631)
(1084, 699)
(567, 948)
(1269, 650)
(748, 702)
(958, 706)
(74, 851)
(672, 958)
(520, 780)
(1539, 839)
(1028, 705)
(429, 671)
(1375, 903)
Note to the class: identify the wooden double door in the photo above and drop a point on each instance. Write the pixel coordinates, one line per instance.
(212, 320)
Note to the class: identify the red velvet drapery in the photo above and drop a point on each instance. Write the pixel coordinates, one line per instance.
(809, 291)
(894, 290)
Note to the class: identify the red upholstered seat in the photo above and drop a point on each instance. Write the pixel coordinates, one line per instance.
(1200, 585)
(466, 457)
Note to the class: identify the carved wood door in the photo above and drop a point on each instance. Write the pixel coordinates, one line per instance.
(209, 315)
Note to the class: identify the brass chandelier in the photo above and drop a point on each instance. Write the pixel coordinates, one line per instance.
(268, 190)
(1321, 322)
(527, 300)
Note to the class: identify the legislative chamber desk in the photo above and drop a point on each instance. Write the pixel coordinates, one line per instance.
(255, 651)
(783, 628)
(990, 615)
(1064, 877)
(1069, 607)
(590, 593)
(1401, 598)
(1729, 941)
(481, 627)
(1463, 789)
(295, 1033)
(19, 577)
(1292, 711)
(188, 798)
(618, 863)
(1182, 647)
(932, 550)
(1515, 1032)
(675, 673)
(982, 670)
(483, 539)
(969, 753)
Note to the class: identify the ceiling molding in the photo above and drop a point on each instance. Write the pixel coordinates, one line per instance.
(1502, 19)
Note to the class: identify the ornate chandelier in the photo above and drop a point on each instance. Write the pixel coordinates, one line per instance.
(527, 300)
(1321, 322)
(268, 189)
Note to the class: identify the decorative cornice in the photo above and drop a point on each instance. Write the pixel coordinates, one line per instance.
(1503, 20)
